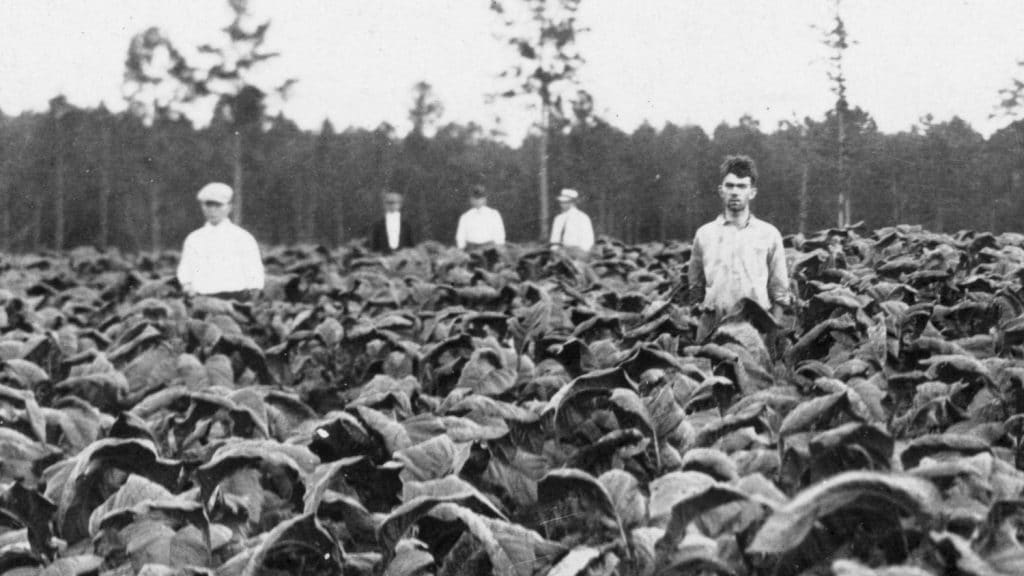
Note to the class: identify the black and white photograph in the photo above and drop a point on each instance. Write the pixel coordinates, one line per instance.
(511, 287)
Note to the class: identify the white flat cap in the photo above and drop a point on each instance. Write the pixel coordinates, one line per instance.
(568, 194)
(215, 192)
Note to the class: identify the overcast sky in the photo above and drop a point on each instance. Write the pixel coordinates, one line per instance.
(684, 61)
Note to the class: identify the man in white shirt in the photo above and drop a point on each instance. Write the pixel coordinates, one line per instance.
(220, 259)
(572, 228)
(481, 226)
(737, 255)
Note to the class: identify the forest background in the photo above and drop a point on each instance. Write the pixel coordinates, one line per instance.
(74, 176)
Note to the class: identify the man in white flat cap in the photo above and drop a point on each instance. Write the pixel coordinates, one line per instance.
(572, 228)
(220, 259)
(481, 226)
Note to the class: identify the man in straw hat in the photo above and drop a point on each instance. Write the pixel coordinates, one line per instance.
(572, 228)
(481, 226)
(220, 259)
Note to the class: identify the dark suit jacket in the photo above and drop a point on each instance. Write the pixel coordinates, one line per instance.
(379, 236)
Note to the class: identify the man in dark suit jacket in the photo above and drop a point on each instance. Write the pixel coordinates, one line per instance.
(392, 232)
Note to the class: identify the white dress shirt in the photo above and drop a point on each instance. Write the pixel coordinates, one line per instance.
(730, 262)
(220, 258)
(573, 228)
(393, 223)
(480, 226)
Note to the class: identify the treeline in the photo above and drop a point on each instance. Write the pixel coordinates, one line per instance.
(74, 176)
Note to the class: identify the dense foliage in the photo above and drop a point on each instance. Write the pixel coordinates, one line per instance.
(517, 413)
(126, 185)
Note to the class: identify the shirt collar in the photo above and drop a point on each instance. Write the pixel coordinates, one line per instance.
(723, 222)
(224, 224)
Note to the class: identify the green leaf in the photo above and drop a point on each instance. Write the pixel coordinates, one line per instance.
(34, 511)
(411, 558)
(299, 540)
(665, 412)
(135, 490)
(238, 454)
(73, 566)
(420, 498)
(489, 371)
(557, 483)
(101, 467)
(790, 525)
(688, 509)
(956, 445)
(669, 489)
(433, 459)
(817, 412)
(576, 561)
(624, 489)
(512, 549)
(323, 479)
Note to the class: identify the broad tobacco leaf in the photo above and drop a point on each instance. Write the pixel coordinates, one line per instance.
(790, 525)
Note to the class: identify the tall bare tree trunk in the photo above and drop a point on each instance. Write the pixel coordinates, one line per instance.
(843, 204)
(237, 177)
(105, 186)
(543, 188)
(155, 228)
(804, 198)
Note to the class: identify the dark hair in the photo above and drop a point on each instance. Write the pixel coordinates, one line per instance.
(740, 165)
(386, 191)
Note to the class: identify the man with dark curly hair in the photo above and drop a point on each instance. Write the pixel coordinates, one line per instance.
(737, 255)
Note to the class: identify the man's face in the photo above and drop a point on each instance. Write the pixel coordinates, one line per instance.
(478, 201)
(565, 204)
(736, 192)
(215, 212)
(392, 202)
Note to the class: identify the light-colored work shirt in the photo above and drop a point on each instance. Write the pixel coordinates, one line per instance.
(573, 228)
(480, 226)
(730, 262)
(221, 258)
(393, 223)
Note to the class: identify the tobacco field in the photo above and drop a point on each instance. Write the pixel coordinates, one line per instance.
(516, 413)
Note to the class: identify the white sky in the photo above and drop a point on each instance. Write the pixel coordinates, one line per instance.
(685, 61)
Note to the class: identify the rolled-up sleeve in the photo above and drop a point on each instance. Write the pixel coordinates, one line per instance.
(499, 229)
(778, 272)
(460, 232)
(253, 264)
(186, 265)
(586, 241)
